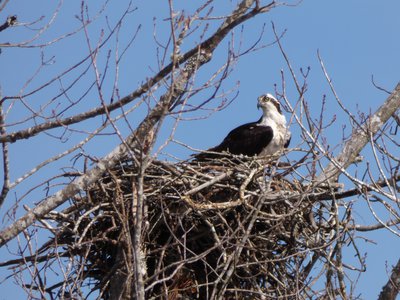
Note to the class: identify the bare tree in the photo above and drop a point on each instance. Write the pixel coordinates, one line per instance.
(127, 225)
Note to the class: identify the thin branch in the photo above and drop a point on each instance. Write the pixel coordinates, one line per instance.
(195, 58)
(6, 168)
(210, 43)
(360, 138)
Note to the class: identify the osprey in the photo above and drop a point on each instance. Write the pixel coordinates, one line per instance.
(266, 137)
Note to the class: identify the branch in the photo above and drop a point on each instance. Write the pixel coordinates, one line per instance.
(6, 169)
(392, 287)
(195, 59)
(374, 226)
(360, 137)
(235, 19)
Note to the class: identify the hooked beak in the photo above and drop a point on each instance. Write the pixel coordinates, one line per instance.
(258, 105)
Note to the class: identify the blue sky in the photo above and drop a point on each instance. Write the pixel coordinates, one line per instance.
(356, 40)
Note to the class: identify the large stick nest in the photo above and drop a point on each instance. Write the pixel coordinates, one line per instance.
(231, 230)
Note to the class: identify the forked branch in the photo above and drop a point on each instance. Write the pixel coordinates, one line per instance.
(194, 58)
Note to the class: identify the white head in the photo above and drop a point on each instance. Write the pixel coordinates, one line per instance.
(273, 117)
(268, 103)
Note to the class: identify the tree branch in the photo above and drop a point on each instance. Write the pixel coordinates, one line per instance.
(360, 138)
(195, 58)
(235, 19)
(392, 287)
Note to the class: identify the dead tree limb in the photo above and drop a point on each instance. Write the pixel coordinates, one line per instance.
(392, 287)
(360, 137)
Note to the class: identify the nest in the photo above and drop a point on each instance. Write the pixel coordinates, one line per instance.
(227, 230)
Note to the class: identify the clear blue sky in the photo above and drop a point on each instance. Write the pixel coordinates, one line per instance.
(356, 39)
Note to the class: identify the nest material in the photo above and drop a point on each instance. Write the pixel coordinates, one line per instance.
(231, 230)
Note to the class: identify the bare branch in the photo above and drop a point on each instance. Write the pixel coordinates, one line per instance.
(194, 58)
(392, 287)
(134, 226)
(360, 137)
(6, 172)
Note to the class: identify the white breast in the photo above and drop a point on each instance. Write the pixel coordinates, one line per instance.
(281, 134)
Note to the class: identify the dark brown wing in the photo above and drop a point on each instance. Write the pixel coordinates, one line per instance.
(248, 139)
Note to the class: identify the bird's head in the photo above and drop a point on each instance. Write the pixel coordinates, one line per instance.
(268, 102)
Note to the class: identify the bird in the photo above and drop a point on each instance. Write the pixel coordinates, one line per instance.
(266, 137)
